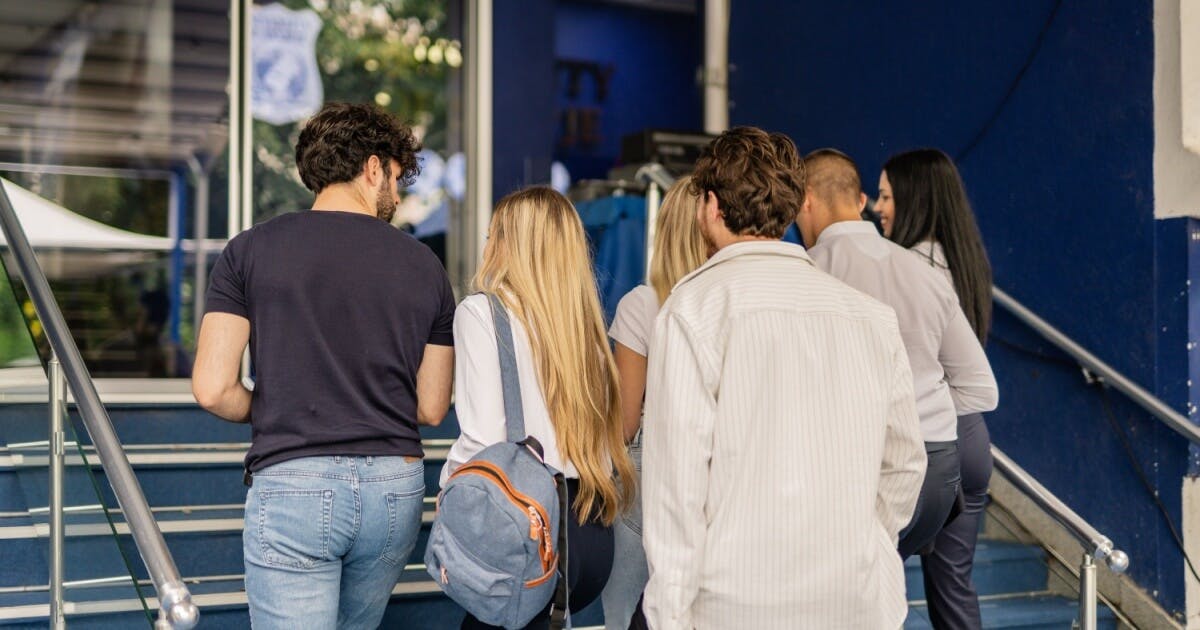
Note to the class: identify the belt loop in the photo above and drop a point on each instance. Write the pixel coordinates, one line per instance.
(370, 460)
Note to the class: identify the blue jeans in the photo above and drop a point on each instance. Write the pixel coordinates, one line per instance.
(630, 572)
(326, 539)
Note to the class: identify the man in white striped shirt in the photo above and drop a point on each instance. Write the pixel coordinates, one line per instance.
(782, 451)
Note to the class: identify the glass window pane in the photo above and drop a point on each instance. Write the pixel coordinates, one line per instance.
(404, 56)
(20, 370)
(113, 115)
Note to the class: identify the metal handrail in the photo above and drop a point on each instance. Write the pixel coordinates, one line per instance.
(1111, 376)
(1095, 545)
(657, 181)
(176, 609)
(1092, 540)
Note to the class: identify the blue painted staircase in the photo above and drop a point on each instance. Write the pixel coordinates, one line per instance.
(1012, 580)
(189, 466)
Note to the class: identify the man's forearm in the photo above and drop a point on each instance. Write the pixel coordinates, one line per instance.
(427, 417)
(233, 404)
(435, 384)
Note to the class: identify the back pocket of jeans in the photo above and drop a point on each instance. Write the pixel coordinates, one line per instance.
(293, 526)
(404, 523)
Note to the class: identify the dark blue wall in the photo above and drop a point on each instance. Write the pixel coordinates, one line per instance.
(654, 56)
(1062, 183)
(523, 97)
(1193, 327)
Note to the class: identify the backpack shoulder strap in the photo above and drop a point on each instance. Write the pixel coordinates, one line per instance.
(514, 420)
(510, 381)
(560, 606)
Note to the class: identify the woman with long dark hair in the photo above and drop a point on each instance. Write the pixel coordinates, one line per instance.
(923, 206)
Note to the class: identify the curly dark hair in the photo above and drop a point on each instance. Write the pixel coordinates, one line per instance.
(757, 177)
(336, 143)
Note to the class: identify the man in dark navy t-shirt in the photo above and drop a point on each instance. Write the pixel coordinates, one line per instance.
(349, 322)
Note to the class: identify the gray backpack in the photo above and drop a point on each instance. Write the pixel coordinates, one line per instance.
(498, 541)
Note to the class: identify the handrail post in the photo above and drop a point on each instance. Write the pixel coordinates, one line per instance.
(57, 454)
(1095, 544)
(653, 201)
(182, 613)
(1087, 593)
(175, 608)
(658, 181)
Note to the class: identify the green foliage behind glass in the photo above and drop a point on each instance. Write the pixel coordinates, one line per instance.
(15, 342)
(399, 54)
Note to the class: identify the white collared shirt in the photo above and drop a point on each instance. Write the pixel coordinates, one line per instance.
(951, 374)
(479, 397)
(782, 450)
(931, 253)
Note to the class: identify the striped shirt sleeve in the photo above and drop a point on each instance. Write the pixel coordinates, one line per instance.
(903, 465)
(680, 411)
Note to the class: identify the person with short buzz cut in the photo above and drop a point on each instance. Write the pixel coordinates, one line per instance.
(349, 323)
(782, 447)
(951, 373)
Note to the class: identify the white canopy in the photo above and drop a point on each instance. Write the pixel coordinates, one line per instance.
(51, 226)
(70, 245)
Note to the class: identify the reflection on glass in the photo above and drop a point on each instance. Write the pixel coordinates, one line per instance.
(111, 115)
(18, 355)
(405, 57)
(114, 118)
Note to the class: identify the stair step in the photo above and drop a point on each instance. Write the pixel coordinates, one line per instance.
(417, 603)
(199, 473)
(1035, 612)
(211, 484)
(1000, 567)
(157, 423)
(222, 604)
(204, 542)
(34, 456)
(134, 424)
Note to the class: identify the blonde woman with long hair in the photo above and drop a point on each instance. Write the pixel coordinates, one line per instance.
(679, 248)
(537, 262)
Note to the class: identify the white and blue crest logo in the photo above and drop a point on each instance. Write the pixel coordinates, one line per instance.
(286, 84)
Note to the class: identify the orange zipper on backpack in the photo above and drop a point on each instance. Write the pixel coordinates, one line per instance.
(539, 521)
(535, 582)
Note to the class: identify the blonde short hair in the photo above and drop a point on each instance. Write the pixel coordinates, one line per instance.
(679, 247)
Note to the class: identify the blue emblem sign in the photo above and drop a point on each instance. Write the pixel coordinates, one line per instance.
(286, 84)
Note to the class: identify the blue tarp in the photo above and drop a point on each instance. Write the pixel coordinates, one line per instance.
(792, 235)
(616, 227)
